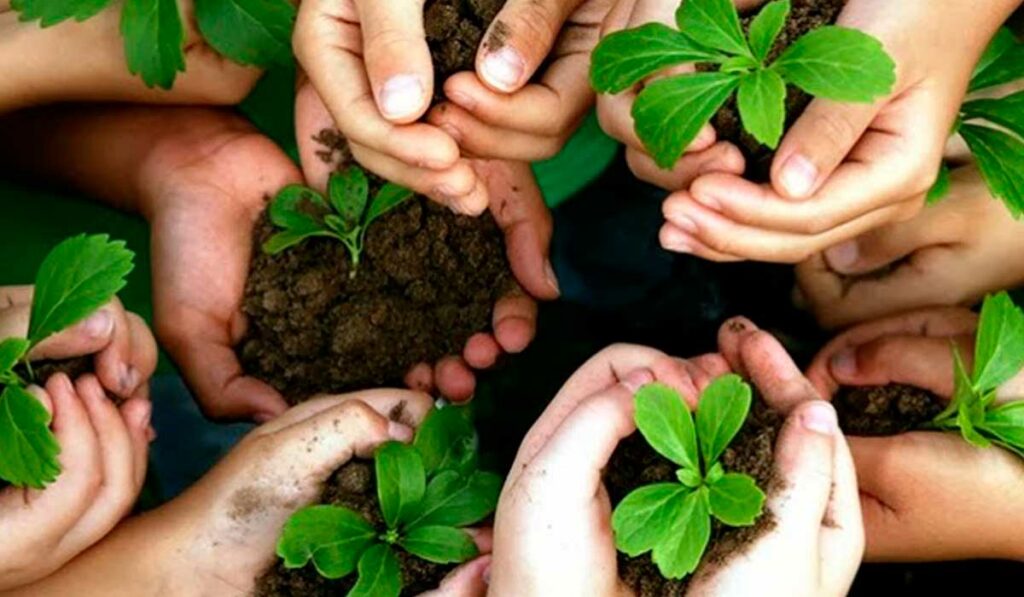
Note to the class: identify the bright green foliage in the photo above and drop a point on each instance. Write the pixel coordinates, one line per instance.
(303, 213)
(253, 32)
(153, 38)
(424, 509)
(831, 62)
(29, 449)
(51, 12)
(673, 520)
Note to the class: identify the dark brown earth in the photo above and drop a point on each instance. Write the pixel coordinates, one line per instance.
(885, 410)
(455, 29)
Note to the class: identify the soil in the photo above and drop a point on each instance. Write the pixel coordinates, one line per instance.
(455, 29)
(885, 410)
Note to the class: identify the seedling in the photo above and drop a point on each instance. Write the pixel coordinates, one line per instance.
(831, 62)
(249, 32)
(427, 492)
(673, 520)
(998, 356)
(79, 276)
(994, 128)
(304, 213)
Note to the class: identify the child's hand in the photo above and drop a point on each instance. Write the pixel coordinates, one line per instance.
(103, 457)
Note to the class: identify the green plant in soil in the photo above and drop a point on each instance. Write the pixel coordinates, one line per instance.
(830, 62)
(346, 215)
(427, 493)
(76, 278)
(249, 32)
(673, 520)
(993, 128)
(998, 356)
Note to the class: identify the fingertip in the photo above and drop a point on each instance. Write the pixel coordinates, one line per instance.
(501, 67)
(482, 351)
(403, 98)
(796, 178)
(454, 379)
(818, 416)
(843, 258)
(42, 396)
(514, 333)
(137, 414)
(420, 377)
(704, 139)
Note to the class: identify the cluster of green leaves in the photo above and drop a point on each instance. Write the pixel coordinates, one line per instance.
(79, 276)
(830, 62)
(673, 520)
(249, 32)
(427, 492)
(998, 356)
(302, 212)
(994, 127)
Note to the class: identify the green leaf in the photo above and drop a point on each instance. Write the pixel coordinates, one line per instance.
(456, 500)
(440, 544)
(839, 64)
(721, 412)
(689, 478)
(625, 58)
(940, 189)
(332, 536)
(76, 278)
(1002, 63)
(713, 23)
(380, 574)
(736, 500)
(999, 350)
(684, 543)
(153, 39)
(644, 517)
(387, 198)
(11, 351)
(289, 238)
(739, 65)
(256, 32)
(446, 440)
(292, 204)
(1000, 158)
(762, 102)
(666, 423)
(766, 26)
(29, 449)
(1006, 111)
(349, 191)
(670, 112)
(51, 12)
(1006, 423)
(1001, 42)
(401, 482)
(965, 420)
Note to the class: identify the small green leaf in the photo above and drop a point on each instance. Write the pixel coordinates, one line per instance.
(456, 500)
(51, 12)
(380, 574)
(739, 64)
(28, 446)
(721, 412)
(999, 350)
(250, 32)
(689, 477)
(965, 421)
(762, 103)
(625, 58)
(349, 191)
(1000, 158)
(713, 23)
(440, 544)
(940, 189)
(736, 500)
(11, 351)
(1006, 423)
(401, 482)
(291, 205)
(289, 238)
(332, 536)
(670, 112)
(684, 543)
(76, 278)
(1001, 42)
(766, 26)
(667, 425)
(715, 473)
(1002, 63)
(1006, 111)
(153, 38)
(387, 198)
(839, 64)
(446, 440)
(644, 517)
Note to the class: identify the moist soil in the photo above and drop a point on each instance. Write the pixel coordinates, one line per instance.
(885, 410)
(455, 29)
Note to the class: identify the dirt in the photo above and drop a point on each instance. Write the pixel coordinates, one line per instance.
(455, 30)
(885, 410)
(635, 463)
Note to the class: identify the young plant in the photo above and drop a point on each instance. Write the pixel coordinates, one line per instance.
(249, 32)
(998, 356)
(831, 62)
(427, 492)
(79, 276)
(673, 520)
(302, 212)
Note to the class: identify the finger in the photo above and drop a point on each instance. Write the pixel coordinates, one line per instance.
(397, 57)
(482, 351)
(515, 322)
(480, 139)
(730, 336)
(771, 369)
(114, 366)
(143, 356)
(676, 240)
(804, 459)
(313, 127)
(468, 580)
(913, 360)
(11, 296)
(400, 406)
(842, 541)
(455, 380)
(137, 413)
(89, 336)
(716, 157)
(518, 40)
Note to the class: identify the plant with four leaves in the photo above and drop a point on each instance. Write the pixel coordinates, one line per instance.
(304, 213)
(998, 356)
(76, 278)
(831, 62)
(427, 492)
(673, 520)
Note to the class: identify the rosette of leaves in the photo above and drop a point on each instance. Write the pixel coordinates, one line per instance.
(76, 278)
(427, 493)
(672, 521)
(346, 215)
(249, 32)
(830, 62)
(998, 356)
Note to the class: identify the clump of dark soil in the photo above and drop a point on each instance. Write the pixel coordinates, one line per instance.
(351, 486)
(455, 29)
(73, 368)
(876, 411)
(635, 463)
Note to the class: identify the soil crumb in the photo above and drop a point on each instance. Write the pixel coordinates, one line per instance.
(455, 30)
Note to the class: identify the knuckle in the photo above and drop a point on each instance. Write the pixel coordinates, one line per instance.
(834, 127)
(535, 24)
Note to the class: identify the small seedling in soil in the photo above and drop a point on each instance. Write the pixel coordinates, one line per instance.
(673, 520)
(427, 493)
(830, 62)
(304, 213)
(76, 278)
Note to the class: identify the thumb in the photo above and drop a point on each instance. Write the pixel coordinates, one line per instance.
(889, 244)
(924, 362)
(519, 40)
(468, 580)
(772, 370)
(397, 58)
(804, 459)
(86, 337)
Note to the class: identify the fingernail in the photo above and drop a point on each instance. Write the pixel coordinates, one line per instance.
(798, 176)
(453, 132)
(399, 432)
(549, 275)
(402, 96)
(844, 363)
(842, 256)
(819, 417)
(637, 379)
(99, 325)
(504, 68)
(675, 240)
(128, 379)
(146, 414)
(487, 575)
(461, 99)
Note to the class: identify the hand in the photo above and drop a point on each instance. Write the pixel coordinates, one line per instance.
(844, 169)
(952, 253)
(103, 462)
